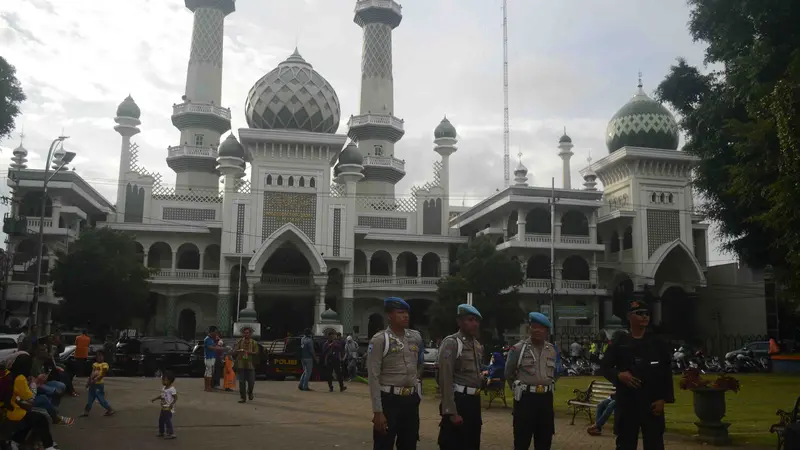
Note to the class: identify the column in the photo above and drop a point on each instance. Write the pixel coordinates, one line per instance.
(419, 270)
(656, 319)
(621, 237)
(557, 275)
(593, 227)
(521, 215)
(593, 270)
(144, 261)
(445, 267)
(201, 264)
(557, 231)
(174, 261)
(347, 314)
(320, 307)
(224, 297)
(169, 327)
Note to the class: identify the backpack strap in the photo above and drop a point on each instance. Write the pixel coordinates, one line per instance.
(385, 343)
(460, 347)
(521, 352)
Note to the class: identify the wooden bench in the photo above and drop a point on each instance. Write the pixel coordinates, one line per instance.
(496, 389)
(587, 401)
(784, 419)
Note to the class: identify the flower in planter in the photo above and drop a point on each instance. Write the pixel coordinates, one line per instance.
(692, 380)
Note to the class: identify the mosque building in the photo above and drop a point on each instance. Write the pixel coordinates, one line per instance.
(308, 228)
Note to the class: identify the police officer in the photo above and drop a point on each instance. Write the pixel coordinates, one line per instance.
(531, 371)
(638, 363)
(460, 380)
(394, 365)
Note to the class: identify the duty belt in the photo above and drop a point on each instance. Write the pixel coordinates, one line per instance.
(466, 389)
(536, 388)
(399, 390)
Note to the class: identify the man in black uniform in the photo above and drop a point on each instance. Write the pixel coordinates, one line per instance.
(639, 366)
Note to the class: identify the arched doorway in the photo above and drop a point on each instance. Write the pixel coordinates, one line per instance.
(375, 324)
(187, 324)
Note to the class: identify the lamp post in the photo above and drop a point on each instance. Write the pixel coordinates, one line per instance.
(770, 294)
(66, 159)
(5, 266)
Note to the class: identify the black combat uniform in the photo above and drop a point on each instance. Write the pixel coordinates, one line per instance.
(648, 359)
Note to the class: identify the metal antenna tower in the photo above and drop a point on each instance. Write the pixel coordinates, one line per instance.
(506, 133)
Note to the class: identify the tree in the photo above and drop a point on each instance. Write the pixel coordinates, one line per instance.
(102, 281)
(11, 96)
(492, 277)
(743, 121)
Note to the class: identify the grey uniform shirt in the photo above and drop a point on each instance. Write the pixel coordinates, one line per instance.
(400, 367)
(537, 366)
(463, 370)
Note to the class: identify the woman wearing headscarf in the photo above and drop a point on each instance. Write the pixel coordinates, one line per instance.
(495, 372)
(21, 405)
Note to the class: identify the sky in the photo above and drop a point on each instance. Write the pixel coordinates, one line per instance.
(572, 64)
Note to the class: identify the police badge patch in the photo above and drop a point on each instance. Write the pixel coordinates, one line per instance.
(369, 349)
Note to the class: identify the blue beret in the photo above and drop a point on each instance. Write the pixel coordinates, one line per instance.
(391, 303)
(465, 310)
(541, 319)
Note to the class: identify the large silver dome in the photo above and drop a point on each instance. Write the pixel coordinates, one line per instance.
(293, 97)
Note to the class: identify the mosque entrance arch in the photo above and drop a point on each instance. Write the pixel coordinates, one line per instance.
(187, 325)
(375, 324)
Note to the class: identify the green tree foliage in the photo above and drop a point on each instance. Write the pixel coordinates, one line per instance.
(102, 281)
(743, 121)
(492, 277)
(11, 96)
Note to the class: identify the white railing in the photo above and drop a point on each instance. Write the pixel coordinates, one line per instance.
(576, 284)
(287, 280)
(575, 239)
(365, 281)
(537, 283)
(376, 119)
(537, 238)
(185, 274)
(364, 4)
(192, 150)
(384, 161)
(34, 223)
(203, 108)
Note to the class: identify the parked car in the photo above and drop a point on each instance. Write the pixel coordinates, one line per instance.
(148, 355)
(67, 359)
(283, 357)
(430, 362)
(756, 349)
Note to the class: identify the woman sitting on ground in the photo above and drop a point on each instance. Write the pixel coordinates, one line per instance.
(29, 421)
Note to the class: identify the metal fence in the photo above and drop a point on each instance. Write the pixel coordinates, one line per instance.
(710, 346)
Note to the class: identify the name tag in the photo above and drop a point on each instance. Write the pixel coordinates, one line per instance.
(653, 363)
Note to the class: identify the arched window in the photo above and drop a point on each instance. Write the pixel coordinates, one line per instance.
(663, 197)
(670, 198)
(269, 180)
(291, 181)
(302, 182)
(312, 183)
(653, 197)
(280, 180)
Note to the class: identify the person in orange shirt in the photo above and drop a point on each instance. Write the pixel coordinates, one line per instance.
(774, 348)
(81, 353)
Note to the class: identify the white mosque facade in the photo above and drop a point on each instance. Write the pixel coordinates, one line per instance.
(317, 224)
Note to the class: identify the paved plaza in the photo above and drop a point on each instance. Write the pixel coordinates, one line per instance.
(281, 417)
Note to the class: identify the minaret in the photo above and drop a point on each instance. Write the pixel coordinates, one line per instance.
(376, 129)
(565, 152)
(200, 118)
(589, 176)
(445, 138)
(520, 173)
(128, 122)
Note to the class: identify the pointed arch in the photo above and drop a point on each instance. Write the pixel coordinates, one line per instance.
(658, 257)
(288, 232)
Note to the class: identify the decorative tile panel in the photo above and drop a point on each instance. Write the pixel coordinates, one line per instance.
(377, 57)
(662, 227)
(207, 36)
(240, 208)
(337, 231)
(188, 214)
(383, 223)
(298, 209)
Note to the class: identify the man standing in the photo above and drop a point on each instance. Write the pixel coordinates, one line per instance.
(246, 350)
(332, 356)
(81, 353)
(210, 356)
(531, 372)
(219, 366)
(460, 380)
(394, 366)
(639, 366)
(307, 356)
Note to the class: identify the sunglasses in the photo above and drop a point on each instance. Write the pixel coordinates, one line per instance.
(642, 313)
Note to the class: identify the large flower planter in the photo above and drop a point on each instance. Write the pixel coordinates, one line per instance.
(709, 406)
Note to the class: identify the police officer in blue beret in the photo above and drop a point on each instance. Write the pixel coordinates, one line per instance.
(460, 381)
(394, 366)
(531, 372)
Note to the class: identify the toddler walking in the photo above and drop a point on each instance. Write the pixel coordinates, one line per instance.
(96, 386)
(168, 397)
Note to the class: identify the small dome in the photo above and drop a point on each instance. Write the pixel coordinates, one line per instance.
(445, 129)
(520, 170)
(231, 147)
(128, 108)
(565, 139)
(293, 96)
(329, 315)
(642, 122)
(20, 151)
(351, 155)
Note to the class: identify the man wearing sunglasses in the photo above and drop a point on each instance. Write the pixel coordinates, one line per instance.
(638, 363)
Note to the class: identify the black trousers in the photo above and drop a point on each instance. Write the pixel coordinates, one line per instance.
(402, 417)
(467, 435)
(534, 418)
(37, 424)
(331, 368)
(247, 380)
(219, 370)
(629, 418)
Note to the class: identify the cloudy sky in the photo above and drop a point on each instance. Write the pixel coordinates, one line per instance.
(573, 63)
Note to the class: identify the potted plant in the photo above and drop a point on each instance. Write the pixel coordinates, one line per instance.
(709, 404)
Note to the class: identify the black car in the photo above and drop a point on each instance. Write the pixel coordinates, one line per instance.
(147, 355)
(67, 359)
(284, 357)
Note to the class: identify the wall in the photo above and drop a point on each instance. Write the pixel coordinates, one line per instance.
(733, 302)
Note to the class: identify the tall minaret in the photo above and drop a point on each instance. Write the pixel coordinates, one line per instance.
(445, 138)
(127, 126)
(565, 152)
(200, 118)
(376, 129)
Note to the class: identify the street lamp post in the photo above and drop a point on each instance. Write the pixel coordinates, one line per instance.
(66, 159)
(770, 292)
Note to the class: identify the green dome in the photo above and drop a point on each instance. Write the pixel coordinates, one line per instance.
(565, 139)
(329, 315)
(231, 147)
(445, 129)
(351, 155)
(642, 122)
(128, 108)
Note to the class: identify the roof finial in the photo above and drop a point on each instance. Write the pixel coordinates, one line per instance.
(22, 136)
(640, 79)
(520, 156)
(565, 130)
(589, 159)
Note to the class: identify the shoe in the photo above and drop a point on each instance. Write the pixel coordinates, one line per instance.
(330, 389)
(343, 388)
(250, 396)
(160, 435)
(85, 414)
(110, 413)
(242, 401)
(66, 421)
(228, 390)
(170, 436)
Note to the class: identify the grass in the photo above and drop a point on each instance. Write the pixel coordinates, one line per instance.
(750, 412)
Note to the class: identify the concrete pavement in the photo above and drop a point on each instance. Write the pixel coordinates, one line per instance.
(280, 417)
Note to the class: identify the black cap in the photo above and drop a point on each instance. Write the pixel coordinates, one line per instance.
(638, 305)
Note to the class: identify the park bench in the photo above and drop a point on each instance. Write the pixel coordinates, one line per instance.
(496, 389)
(587, 401)
(784, 419)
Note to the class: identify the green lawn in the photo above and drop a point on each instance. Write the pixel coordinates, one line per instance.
(750, 412)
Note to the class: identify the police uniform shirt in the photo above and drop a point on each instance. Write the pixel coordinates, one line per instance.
(400, 367)
(463, 370)
(531, 366)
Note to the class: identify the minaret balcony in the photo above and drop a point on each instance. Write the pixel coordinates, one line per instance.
(201, 115)
(375, 126)
(378, 11)
(185, 158)
(383, 168)
(192, 150)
